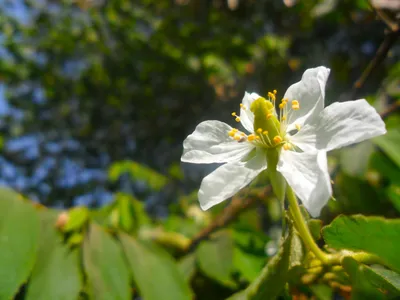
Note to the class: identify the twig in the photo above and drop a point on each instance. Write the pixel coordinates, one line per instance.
(391, 109)
(229, 214)
(380, 55)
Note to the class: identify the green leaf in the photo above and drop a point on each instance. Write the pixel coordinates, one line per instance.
(354, 160)
(390, 143)
(105, 266)
(77, 217)
(275, 274)
(126, 214)
(375, 235)
(155, 273)
(322, 291)
(56, 274)
(187, 266)
(248, 264)
(361, 286)
(138, 171)
(393, 192)
(215, 257)
(383, 279)
(19, 238)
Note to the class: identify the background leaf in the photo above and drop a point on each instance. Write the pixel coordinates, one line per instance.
(215, 257)
(56, 274)
(105, 266)
(19, 238)
(155, 273)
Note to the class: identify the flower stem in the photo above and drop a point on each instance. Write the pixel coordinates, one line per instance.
(302, 227)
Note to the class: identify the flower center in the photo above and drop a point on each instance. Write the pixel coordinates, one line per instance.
(269, 125)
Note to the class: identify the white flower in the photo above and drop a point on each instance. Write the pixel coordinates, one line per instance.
(302, 131)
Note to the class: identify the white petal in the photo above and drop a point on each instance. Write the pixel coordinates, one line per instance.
(339, 125)
(210, 143)
(228, 179)
(307, 174)
(246, 116)
(310, 92)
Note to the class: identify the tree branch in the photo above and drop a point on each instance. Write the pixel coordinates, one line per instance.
(379, 57)
(230, 213)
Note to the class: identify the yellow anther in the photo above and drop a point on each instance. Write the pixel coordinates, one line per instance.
(237, 119)
(277, 139)
(257, 137)
(235, 130)
(231, 133)
(275, 91)
(269, 116)
(237, 137)
(233, 114)
(285, 100)
(243, 106)
(251, 137)
(298, 126)
(282, 105)
(259, 130)
(295, 105)
(265, 132)
(242, 134)
(287, 146)
(283, 118)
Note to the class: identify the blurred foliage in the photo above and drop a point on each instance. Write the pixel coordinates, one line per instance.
(96, 98)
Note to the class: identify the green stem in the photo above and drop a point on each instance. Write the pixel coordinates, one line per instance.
(302, 228)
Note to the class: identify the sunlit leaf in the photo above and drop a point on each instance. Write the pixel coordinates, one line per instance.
(375, 235)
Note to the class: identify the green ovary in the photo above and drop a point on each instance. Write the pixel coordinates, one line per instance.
(266, 125)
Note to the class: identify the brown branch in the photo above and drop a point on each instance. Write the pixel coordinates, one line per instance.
(379, 57)
(391, 109)
(230, 213)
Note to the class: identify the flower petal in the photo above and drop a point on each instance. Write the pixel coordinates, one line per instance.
(310, 92)
(307, 174)
(246, 116)
(339, 125)
(210, 143)
(228, 179)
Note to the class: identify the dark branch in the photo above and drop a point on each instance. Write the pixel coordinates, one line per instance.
(230, 213)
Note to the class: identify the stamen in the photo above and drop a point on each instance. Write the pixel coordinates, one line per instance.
(269, 116)
(237, 119)
(243, 106)
(237, 137)
(298, 127)
(287, 146)
(231, 133)
(235, 130)
(283, 118)
(233, 114)
(295, 105)
(275, 91)
(259, 130)
(265, 132)
(277, 139)
(251, 137)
